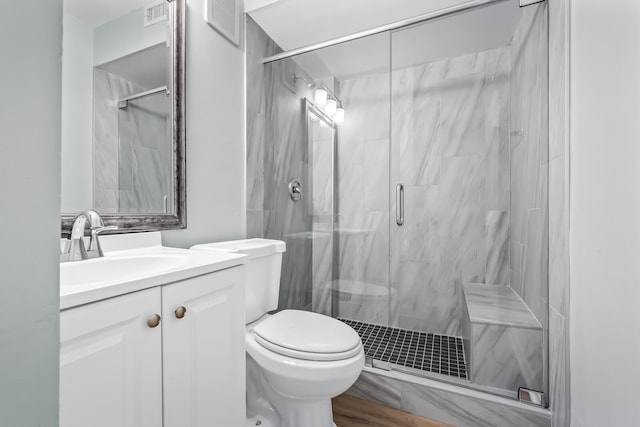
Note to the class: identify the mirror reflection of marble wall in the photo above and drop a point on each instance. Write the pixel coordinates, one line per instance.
(116, 158)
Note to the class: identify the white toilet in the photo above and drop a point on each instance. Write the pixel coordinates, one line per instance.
(296, 360)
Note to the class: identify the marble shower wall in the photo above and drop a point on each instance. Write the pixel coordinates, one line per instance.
(276, 152)
(529, 151)
(363, 200)
(107, 88)
(321, 145)
(559, 370)
(529, 48)
(450, 148)
(445, 403)
(146, 155)
(131, 152)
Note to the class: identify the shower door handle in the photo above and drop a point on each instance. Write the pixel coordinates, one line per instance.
(399, 204)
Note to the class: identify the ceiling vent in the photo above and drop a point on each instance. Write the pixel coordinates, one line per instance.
(155, 12)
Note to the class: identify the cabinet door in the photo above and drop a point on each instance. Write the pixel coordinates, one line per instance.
(204, 352)
(110, 363)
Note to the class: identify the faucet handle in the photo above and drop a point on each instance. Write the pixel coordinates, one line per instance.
(94, 243)
(64, 253)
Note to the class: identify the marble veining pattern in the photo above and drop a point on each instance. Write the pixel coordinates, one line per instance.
(467, 137)
(145, 155)
(498, 305)
(529, 154)
(503, 339)
(277, 151)
(107, 89)
(444, 403)
(131, 154)
(529, 159)
(559, 381)
(506, 357)
(449, 147)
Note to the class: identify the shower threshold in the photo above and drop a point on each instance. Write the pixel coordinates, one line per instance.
(414, 351)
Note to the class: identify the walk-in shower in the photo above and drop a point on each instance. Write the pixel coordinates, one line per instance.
(423, 218)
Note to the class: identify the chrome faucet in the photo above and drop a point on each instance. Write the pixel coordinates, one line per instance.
(75, 249)
(97, 227)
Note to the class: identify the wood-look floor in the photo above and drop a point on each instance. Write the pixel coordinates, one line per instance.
(349, 411)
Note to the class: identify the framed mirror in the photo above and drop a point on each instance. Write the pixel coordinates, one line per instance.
(123, 113)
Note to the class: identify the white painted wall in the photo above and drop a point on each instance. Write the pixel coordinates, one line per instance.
(126, 35)
(605, 213)
(31, 45)
(215, 136)
(77, 115)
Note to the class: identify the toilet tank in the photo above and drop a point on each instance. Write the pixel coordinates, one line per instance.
(262, 272)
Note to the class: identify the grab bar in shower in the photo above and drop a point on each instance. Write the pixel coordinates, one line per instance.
(399, 204)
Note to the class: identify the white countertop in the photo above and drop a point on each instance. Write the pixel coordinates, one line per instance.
(105, 282)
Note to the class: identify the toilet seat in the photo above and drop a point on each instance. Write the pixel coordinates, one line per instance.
(308, 336)
(297, 354)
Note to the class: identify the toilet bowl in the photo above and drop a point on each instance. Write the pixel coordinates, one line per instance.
(296, 360)
(299, 375)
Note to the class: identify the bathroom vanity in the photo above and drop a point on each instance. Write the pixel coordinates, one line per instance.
(154, 337)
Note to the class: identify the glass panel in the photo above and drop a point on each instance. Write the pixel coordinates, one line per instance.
(285, 156)
(337, 235)
(321, 143)
(469, 147)
(145, 181)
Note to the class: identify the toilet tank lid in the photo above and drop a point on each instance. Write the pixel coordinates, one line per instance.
(253, 247)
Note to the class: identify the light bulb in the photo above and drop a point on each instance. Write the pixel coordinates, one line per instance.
(320, 97)
(338, 117)
(330, 108)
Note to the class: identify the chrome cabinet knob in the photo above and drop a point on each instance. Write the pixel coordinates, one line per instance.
(153, 321)
(180, 312)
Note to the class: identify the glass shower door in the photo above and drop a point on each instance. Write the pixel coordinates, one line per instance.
(337, 234)
(361, 292)
(468, 170)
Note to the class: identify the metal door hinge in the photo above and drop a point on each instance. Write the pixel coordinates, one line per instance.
(531, 396)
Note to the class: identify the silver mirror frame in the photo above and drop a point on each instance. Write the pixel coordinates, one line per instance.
(133, 223)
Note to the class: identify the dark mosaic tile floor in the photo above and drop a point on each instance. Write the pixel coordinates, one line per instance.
(440, 354)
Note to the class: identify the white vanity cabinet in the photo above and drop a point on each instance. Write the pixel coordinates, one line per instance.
(117, 369)
(203, 353)
(111, 363)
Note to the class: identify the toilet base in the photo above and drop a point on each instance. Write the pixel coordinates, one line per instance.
(272, 409)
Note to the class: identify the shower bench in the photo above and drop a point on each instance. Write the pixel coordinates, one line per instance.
(503, 338)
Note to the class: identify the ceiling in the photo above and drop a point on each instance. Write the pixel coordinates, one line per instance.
(296, 23)
(97, 12)
(148, 68)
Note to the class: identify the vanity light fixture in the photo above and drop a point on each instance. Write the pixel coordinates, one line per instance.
(327, 102)
(320, 97)
(330, 107)
(338, 117)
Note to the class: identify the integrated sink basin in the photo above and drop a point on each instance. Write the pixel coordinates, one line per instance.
(117, 268)
(132, 263)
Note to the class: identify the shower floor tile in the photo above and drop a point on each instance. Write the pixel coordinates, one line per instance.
(440, 354)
